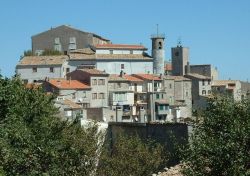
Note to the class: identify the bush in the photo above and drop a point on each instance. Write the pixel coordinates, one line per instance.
(35, 141)
(129, 155)
(220, 144)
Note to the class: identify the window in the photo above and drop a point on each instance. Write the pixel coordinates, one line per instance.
(203, 92)
(73, 95)
(94, 81)
(170, 86)
(84, 94)
(101, 96)
(101, 81)
(122, 66)
(209, 82)
(161, 107)
(34, 69)
(157, 96)
(203, 82)
(94, 96)
(162, 96)
(186, 93)
(111, 51)
(160, 45)
(51, 69)
(67, 70)
(57, 40)
(209, 92)
(72, 40)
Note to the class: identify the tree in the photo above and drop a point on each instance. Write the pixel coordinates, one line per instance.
(130, 155)
(35, 141)
(220, 144)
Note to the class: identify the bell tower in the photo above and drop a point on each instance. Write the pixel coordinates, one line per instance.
(158, 52)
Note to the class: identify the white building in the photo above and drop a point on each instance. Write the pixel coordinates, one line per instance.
(36, 68)
(113, 59)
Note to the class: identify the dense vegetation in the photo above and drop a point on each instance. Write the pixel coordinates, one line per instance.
(35, 141)
(220, 144)
(131, 156)
(46, 52)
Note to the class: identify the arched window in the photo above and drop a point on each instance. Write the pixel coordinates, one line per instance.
(160, 45)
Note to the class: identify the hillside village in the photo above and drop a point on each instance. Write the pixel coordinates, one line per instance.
(96, 79)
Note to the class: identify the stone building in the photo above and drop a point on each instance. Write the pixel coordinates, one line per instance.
(201, 89)
(205, 70)
(157, 105)
(178, 93)
(235, 88)
(97, 80)
(37, 68)
(64, 38)
(180, 59)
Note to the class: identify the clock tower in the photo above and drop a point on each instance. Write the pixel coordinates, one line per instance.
(180, 59)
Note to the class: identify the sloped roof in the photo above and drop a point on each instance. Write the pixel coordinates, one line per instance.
(84, 56)
(68, 84)
(132, 78)
(71, 104)
(93, 71)
(223, 82)
(149, 77)
(176, 78)
(198, 76)
(42, 60)
(120, 46)
(71, 28)
(115, 77)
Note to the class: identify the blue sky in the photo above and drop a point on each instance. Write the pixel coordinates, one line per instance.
(216, 31)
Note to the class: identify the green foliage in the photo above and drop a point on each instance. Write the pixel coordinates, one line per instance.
(131, 156)
(221, 143)
(34, 141)
(48, 52)
(28, 53)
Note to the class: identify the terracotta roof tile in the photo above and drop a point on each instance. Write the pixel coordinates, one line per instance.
(223, 82)
(120, 46)
(149, 77)
(132, 78)
(71, 104)
(68, 84)
(115, 77)
(43, 60)
(168, 67)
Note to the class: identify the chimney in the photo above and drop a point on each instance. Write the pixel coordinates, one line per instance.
(122, 73)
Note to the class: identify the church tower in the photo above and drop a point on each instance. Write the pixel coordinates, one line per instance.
(158, 52)
(180, 59)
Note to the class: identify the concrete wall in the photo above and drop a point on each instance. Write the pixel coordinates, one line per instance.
(43, 71)
(130, 67)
